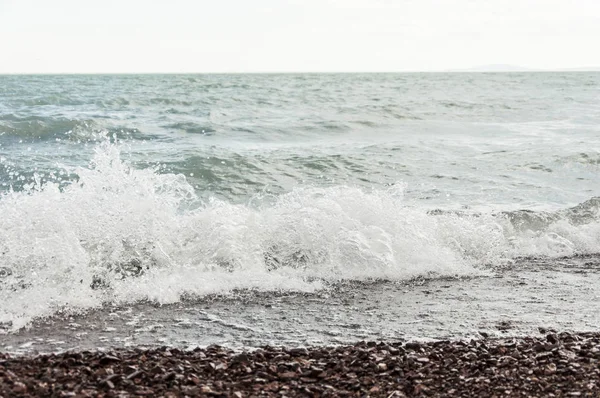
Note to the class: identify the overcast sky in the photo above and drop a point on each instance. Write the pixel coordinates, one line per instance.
(129, 36)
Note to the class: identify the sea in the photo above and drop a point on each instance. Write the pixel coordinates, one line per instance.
(296, 209)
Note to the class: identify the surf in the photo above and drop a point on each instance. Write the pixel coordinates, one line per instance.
(121, 234)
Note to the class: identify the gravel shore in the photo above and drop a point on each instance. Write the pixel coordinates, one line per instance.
(557, 365)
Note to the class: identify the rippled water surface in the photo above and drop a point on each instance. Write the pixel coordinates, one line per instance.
(133, 191)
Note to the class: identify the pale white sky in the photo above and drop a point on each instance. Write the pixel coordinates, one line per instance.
(139, 36)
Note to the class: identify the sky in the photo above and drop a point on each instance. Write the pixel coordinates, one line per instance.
(223, 36)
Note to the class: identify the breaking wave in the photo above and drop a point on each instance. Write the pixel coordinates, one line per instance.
(120, 234)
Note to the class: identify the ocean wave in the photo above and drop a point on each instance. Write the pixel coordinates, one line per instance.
(191, 128)
(120, 234)
(45, 128)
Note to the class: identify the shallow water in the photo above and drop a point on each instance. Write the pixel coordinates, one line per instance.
(528, 298)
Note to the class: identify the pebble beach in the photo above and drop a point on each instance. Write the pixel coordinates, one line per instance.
(556, 365)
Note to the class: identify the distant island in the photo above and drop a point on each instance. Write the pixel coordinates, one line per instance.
(517, 68)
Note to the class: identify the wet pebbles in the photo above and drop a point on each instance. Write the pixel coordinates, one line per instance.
(556, 365)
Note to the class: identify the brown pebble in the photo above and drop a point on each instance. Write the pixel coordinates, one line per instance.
(552, 339)
(108, 359)
(206, 389)
(19, 388)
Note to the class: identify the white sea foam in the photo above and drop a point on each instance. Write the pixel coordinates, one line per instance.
(77, 248)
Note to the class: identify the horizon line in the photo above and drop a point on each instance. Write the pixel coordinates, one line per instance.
(469, 70)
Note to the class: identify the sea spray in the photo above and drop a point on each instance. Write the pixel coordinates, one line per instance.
(121, 234)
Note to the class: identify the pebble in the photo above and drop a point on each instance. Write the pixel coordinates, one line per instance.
(558, 364)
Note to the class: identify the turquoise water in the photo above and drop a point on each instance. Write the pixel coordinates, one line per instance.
(454, 139)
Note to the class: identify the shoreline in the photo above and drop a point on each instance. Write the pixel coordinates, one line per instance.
(558, 364)
(390, 311)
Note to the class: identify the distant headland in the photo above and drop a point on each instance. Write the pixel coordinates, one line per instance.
(517, 68)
